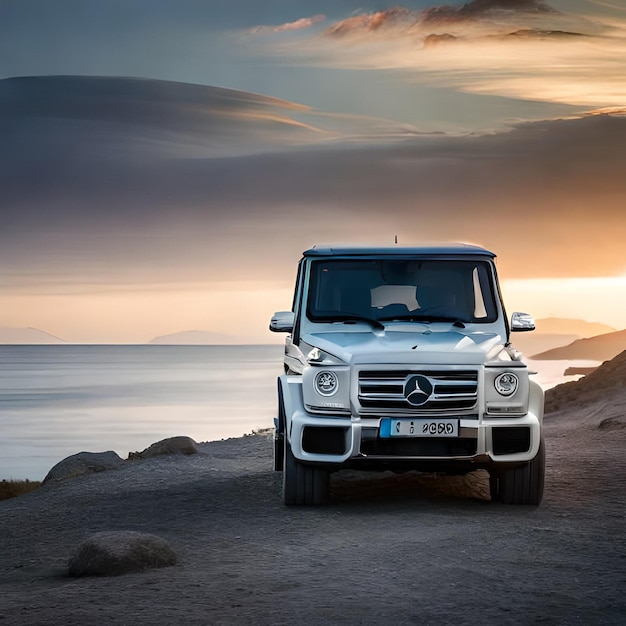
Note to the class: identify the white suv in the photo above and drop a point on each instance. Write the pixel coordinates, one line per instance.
(399, 358)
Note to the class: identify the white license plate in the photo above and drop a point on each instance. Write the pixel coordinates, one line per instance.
(423, 428)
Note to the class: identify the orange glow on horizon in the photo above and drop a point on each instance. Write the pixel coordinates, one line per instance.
(243, 310)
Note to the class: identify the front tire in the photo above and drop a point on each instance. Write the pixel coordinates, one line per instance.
(279, 432)
(303, 484)
(524, 485)
(278, 452)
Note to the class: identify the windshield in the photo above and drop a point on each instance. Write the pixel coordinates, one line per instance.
(401, 289)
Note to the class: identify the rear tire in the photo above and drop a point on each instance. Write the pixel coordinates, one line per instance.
(524, 485)
(278, 452)
(303, 484)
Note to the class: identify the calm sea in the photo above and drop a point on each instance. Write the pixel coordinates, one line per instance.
(59, 400)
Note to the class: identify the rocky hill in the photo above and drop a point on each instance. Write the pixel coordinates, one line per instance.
(605, 383)
(556, 332)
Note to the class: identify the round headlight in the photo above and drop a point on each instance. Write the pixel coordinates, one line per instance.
(326, 383)
(506, 384)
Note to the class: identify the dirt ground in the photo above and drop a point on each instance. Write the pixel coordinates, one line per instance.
(402, 550)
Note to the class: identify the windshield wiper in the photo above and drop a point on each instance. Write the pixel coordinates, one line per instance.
(350, 317)
(424, 318)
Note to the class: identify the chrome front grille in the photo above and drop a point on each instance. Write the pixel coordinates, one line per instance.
(384, 391)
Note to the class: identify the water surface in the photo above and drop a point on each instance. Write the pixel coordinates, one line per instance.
(56, 400)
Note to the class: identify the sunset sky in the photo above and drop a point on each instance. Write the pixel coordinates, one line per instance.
(163, 164)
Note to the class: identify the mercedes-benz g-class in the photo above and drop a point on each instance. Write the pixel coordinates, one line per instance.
(398, 358)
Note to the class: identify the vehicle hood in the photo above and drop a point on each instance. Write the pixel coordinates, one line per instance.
(428, 346)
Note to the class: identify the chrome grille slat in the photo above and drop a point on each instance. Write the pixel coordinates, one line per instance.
(382, 382)
(380, 396)
(454, 396)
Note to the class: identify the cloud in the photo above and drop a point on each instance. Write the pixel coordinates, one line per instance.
(78, 206)
(520, 49)
(300, 24)
(137, 118)
(389, 18)
(410, 22)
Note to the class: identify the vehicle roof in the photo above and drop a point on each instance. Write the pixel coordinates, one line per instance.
(440, 249)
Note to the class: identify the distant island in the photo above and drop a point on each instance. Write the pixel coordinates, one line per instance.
(34, 336)
(579, 371)
(200, 337)
(600, 348)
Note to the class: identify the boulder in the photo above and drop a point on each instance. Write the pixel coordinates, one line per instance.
(173, 445)
(83, 463)
(113, 553)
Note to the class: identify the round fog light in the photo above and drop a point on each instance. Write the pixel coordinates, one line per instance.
(506, 384)
(326, 383)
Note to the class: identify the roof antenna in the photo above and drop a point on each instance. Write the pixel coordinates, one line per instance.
(396, 239)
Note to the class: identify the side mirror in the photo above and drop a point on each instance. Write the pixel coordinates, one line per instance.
(282, 322)
(522, 322)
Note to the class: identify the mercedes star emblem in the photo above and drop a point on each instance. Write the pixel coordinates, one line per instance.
(418, 390)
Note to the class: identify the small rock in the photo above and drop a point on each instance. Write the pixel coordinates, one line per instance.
(612, 423)
(173, 445)
(120, 552)
(83, 463)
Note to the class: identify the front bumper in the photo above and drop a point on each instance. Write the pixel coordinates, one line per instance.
(351, 440)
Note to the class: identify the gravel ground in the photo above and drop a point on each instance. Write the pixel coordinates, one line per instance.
(404, 549)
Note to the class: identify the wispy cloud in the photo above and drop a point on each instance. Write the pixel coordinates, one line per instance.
(299, 24)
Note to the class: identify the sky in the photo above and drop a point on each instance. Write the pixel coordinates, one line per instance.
(164, 164)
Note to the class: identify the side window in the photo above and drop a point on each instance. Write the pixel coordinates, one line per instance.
(484, 303)
(480, 310)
